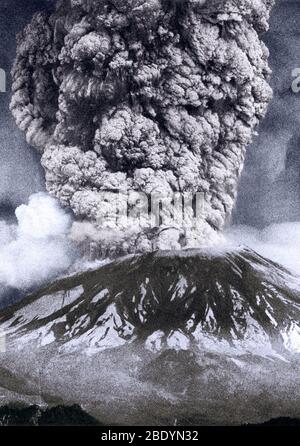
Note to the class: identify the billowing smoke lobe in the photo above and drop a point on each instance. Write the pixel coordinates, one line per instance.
(155, 96)
(21, 173)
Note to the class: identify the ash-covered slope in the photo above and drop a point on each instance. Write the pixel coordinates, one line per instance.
(233, 299)
(190, 337)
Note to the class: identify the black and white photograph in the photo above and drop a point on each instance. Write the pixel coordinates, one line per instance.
(149, 215)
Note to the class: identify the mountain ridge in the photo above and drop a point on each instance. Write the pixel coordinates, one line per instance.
(221, 295)
(144, 339)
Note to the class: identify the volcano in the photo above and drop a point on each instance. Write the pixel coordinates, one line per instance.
(189, 337)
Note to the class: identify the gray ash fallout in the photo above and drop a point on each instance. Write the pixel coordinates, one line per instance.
(153, 96)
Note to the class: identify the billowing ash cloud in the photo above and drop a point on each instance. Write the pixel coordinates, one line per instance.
(157, 96)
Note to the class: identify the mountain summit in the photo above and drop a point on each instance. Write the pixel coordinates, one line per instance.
(165, 300)
(194, 328)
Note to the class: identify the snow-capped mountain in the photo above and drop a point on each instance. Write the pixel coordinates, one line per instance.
(191, 330)
(234, 300)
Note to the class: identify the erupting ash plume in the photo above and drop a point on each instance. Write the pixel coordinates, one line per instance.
(152, 96)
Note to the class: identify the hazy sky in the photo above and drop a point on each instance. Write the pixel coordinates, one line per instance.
(261, 200)
(20, 172)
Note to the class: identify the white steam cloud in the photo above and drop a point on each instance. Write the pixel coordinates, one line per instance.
(37, 247)
(278, 242)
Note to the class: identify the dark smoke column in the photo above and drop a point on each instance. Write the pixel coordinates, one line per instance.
(158, 96)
